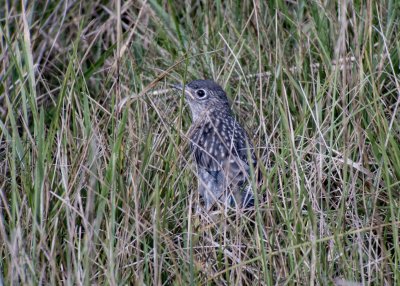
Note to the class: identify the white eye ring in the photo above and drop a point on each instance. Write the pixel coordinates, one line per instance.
(201, 93)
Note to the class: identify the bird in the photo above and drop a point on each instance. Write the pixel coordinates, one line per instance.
(222, 150)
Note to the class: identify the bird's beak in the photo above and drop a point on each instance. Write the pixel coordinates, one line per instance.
(177, 86)
(188, 91)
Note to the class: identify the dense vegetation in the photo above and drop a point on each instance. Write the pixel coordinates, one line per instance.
(97, 185)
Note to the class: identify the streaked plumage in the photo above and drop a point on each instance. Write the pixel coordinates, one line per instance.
(221, 148)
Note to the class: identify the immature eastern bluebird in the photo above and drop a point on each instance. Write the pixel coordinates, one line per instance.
(221, 148)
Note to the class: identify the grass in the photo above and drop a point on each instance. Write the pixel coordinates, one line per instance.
(98, 189)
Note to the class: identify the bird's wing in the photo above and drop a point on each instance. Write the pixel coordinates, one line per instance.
(226, 151)
(237, 165)
(242, 146)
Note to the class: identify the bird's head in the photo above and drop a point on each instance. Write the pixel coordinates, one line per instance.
(204, 96)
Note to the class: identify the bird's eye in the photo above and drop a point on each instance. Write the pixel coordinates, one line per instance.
(201, 93)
